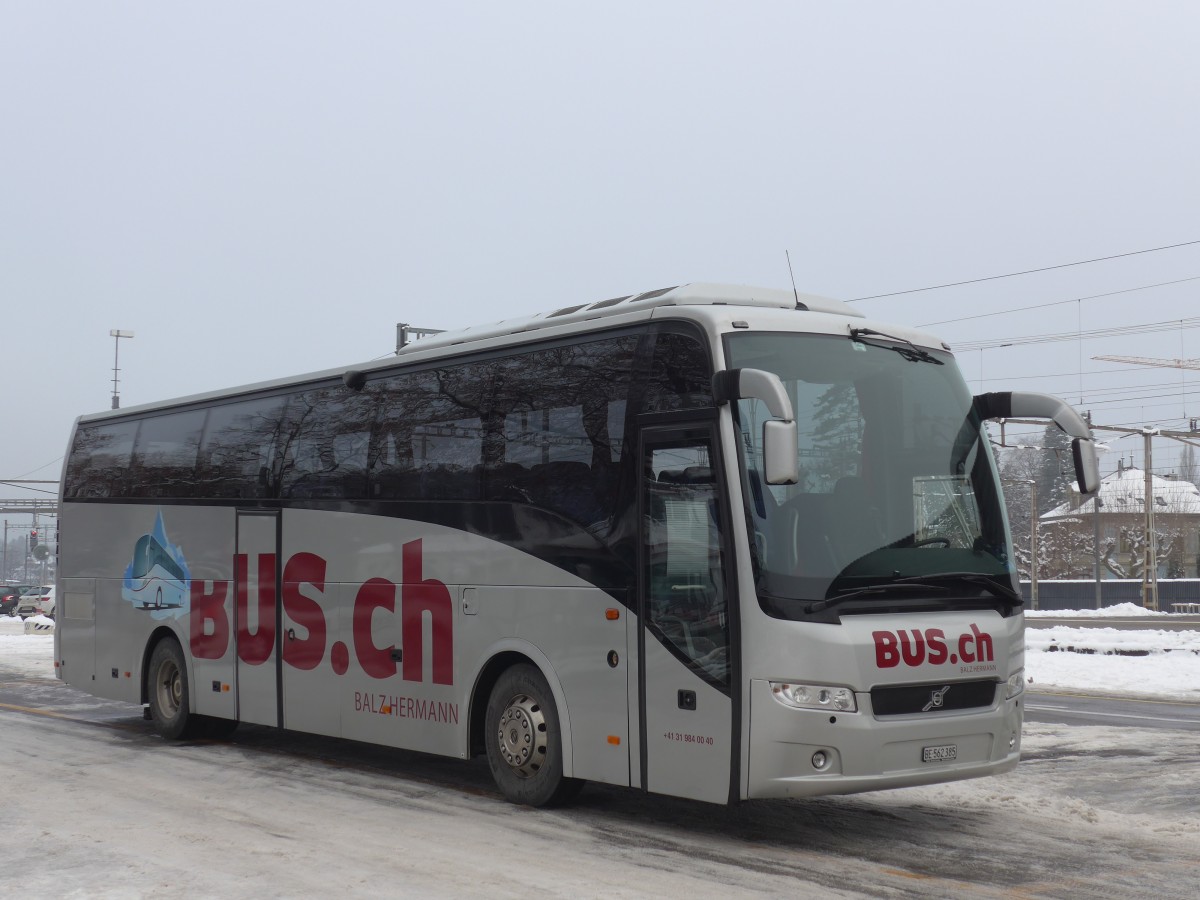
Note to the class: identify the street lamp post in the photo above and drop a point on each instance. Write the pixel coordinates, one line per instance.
(116, 334)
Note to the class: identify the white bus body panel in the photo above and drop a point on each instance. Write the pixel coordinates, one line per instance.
(518, 603)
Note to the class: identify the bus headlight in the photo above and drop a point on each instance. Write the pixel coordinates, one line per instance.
(1016, 684)
(814, 696)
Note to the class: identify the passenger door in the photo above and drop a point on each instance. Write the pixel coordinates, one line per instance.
(685, 645)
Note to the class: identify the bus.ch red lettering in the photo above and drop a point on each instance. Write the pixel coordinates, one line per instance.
(210, 627)
(914, 647)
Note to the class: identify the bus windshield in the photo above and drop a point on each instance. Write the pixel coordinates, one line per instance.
(898, 501)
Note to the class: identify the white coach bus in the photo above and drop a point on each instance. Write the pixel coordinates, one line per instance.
(708, 541)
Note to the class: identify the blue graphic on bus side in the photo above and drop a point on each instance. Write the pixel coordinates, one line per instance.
(157, 579)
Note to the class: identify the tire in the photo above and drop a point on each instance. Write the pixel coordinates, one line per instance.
(170, 697)
(524, 741)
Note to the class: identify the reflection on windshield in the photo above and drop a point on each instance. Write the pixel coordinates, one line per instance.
(889, 488)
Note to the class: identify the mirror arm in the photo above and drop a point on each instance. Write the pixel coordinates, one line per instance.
(734, 384)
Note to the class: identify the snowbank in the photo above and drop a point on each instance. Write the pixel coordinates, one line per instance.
(1119, 610)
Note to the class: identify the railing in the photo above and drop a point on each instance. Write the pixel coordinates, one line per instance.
(48, 506)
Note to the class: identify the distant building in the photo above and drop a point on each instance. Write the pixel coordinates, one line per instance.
(1066, 532)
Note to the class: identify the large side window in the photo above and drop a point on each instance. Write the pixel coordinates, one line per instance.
(543, 427)
(563, 428)
(237, 453)
(99, 465)
(324, 441)
(428, 438)
(164, 457)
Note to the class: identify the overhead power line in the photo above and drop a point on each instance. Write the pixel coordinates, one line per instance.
(1005, 312)
(1052, 337)
(1082, 262)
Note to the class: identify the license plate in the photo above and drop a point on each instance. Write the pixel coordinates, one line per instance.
(939, 754)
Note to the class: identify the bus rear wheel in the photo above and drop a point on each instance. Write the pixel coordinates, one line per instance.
(524, 741)
(168, 692)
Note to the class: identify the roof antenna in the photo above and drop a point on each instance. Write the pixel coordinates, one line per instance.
(792, 275)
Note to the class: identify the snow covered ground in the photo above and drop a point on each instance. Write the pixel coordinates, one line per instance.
(1147, 662)
(1091, 811)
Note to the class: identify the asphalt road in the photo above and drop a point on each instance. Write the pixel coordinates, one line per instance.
(1114, 712)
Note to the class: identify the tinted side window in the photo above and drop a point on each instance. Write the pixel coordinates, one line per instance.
(428, 440)
(680, 374)
(544, 427)
(164, 456)
(324, 445)
(237, 452)
(100, 457)
(563, 430)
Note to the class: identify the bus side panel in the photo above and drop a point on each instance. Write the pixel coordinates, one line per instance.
(349, 581)
(76, 631)
(378, 646)
(200, 540)
(586, 652)
(312, 690)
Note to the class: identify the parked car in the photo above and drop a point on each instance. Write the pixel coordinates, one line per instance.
(37, 602)
(10, 594)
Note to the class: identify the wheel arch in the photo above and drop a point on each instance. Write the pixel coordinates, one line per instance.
(500, 657)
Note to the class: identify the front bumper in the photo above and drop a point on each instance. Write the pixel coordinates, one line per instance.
(865, 752)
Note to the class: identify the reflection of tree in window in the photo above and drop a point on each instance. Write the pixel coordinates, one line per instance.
(100, 461)
(236, 452)
(836, 435)
(680, 374)
(325, 438)
(164, 457)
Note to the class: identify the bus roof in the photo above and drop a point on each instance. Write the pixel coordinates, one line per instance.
(620, 310)
(681, 295)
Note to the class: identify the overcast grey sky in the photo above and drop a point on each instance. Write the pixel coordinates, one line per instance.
(261, 189)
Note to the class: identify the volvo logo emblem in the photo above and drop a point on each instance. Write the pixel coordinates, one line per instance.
(936, 699)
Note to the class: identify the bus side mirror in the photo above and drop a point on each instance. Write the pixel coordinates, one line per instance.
(781, 459)
(1027, 405)
(1087, 467)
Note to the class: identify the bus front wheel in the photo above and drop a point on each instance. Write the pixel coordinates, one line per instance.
(168, 690)
(524, 741)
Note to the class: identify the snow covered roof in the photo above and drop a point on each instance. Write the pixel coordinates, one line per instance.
(1124, 492)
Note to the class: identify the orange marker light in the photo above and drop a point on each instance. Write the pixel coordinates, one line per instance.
(614, 740)
(612, 614)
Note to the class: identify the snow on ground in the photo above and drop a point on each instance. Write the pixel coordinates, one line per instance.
(1146, 662)
(30, 654)
(1091, 811)
(1116, 611)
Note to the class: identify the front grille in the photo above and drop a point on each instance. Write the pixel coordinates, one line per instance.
(932, 698)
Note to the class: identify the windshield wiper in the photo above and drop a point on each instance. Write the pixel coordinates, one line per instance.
(977, 579)
(851, 593)
(911, 352)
